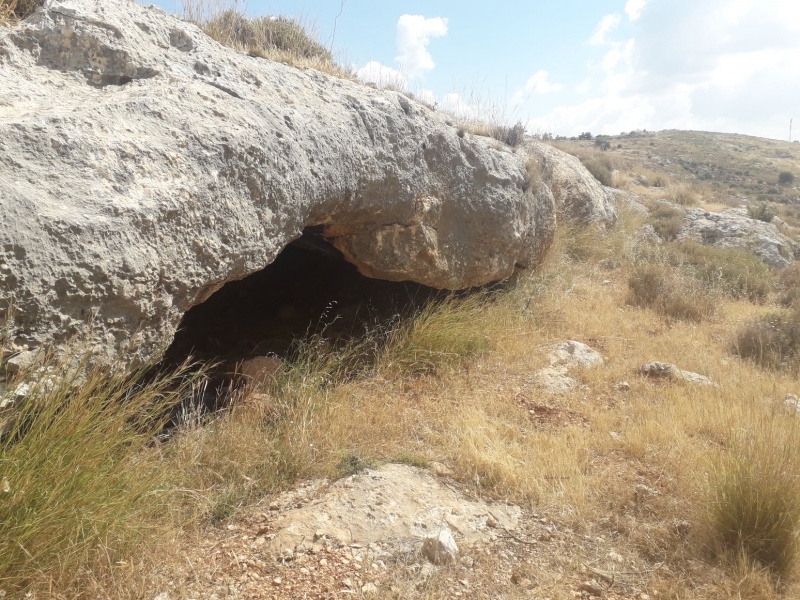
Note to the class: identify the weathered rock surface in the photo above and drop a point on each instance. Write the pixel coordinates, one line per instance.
(395, 504)
(570, 354)
(668, 371)
(578, 195)
(143, 165)
(440, 549)
(733, 228)
(564, 356)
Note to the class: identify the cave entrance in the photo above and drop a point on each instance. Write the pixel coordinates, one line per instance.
(309, 288)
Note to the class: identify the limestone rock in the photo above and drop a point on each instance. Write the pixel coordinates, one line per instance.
(578, 194)
(574, 354)
(555, 379)
(733, 228)
(564, 356)
(661, 370)
(441, 549)
(396, 505)
(143, 166)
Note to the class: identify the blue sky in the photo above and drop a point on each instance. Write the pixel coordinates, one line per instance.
(567, 66)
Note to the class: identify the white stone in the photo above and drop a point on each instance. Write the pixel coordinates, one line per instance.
(442, 549)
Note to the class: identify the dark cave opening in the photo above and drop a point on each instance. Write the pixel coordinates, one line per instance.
(309, 288)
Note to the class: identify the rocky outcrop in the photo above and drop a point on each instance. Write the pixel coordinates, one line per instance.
(564, 357)
(670, 372)
(143, 166)
(733, 228)
(579, 196)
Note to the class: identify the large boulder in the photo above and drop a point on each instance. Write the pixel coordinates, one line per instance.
(579, 196)
(143, 166)
(734, 228)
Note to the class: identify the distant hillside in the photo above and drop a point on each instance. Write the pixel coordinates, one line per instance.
(736, 164)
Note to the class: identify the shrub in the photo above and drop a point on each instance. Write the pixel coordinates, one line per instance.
(732, 271)
(755, 498)
(670, 293)
(601, 171)
(77, 490)
(761, 212)
(667, 221)
(785, 178)
(789, 284)
(771, 341)
(513, 135)
(266, 36)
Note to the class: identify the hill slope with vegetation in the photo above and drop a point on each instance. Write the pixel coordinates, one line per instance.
(631, 482)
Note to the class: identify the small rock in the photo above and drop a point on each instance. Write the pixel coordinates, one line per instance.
(624, 386)
(348, 582)
(555, 379)
(369, 589)
(591, 587)
(660, 370)
(574, 354)
(441, 549)
(490, 522)
(277, 581)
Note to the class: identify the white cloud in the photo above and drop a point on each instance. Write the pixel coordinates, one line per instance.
(538, 83)
(383, 76)
(414, 33)
(454, 104)
(633, 8)
(606, 25)
(718, 65)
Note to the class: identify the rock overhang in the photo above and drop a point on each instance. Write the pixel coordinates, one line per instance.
(148, 165)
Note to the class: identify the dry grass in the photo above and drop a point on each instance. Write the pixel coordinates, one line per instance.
(754, 511)
(292, 41)
(455, 386)
(12, 10)
(82, 486)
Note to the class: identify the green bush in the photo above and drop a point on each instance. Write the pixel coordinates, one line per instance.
(785, 178)
(440, 337)
(789, 284)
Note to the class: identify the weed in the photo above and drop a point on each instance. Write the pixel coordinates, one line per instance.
(755, 497)
(440, 337)
(732, 271)
(667, 220)
(600, 171)
(78, 488)
(762, 212)
(670, 293)
(772, 340)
